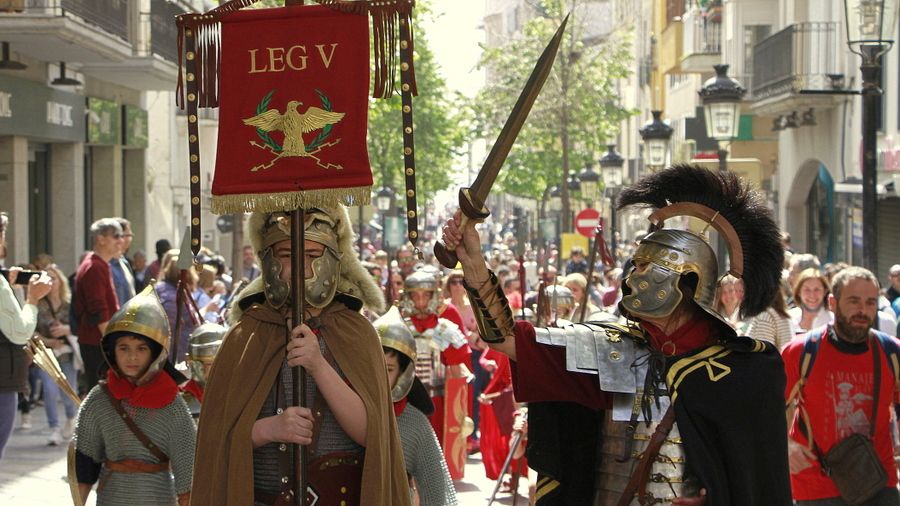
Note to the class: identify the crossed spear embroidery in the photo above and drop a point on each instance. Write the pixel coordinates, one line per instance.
(294, 124)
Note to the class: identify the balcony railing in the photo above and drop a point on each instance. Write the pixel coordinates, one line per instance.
(799, 57)
(701, 35)
(111, 15)
(163, 32)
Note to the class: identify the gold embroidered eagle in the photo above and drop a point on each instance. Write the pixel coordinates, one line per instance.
(294, 125)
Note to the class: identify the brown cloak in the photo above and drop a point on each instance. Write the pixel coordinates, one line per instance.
(241, 378)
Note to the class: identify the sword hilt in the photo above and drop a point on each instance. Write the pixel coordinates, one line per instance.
(471, 210)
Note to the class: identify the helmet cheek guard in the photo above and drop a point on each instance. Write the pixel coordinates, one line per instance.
(277, 290)
(653, 293)
(321, 287)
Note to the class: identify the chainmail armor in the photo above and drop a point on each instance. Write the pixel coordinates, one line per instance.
(331, 437)
(424, 460)
(102, 435)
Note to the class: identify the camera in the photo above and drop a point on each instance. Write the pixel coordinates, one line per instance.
(23, 278)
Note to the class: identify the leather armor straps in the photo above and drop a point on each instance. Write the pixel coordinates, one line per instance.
(492, 311)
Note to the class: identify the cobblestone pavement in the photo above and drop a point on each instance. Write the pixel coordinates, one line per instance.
(33, 473)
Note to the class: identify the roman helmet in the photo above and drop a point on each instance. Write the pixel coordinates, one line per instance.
(334, 272)
(142, 316)
(422, 280)
(561, 299)
(669, 257)
(396, 335)
(203, 344)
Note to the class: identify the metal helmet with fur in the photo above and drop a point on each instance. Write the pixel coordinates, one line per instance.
(395, 334)
(142, 316)
(334, 272)
(673, 256)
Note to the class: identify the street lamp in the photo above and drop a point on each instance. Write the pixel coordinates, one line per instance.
(721, 96)
(555, 201)
(870, 34)
(611, 164)
(590, 183)
(656, 135)
(384, 201)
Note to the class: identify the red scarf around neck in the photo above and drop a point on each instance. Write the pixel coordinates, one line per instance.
(159, 392)
(400, 406)
(692, 335)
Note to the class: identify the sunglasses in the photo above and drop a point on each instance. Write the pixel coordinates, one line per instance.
(455, 281)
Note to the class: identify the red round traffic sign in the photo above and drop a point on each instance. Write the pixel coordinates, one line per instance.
(586, 222)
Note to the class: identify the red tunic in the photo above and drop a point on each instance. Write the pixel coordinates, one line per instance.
(539, 374)
(450, 356)
(495, 440)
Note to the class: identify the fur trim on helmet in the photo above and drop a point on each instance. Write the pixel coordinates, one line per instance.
(744, 208)
(354, 279)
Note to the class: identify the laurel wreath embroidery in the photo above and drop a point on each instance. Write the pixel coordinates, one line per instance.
(264, 136)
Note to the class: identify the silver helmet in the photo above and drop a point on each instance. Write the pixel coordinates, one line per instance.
(396, 335)
(203, 344)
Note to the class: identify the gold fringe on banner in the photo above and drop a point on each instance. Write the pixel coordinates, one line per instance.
(304, 199)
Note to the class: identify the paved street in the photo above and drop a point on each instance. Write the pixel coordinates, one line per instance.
(33, 473)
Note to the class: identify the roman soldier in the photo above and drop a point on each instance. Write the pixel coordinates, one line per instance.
(441, 357)
(425, 464)
(692, 413)
(249, 426)
(203, 344)
(134, 433)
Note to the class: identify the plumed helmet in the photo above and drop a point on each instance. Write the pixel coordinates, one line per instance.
(142, 316)
(396, 335)
(666, 256)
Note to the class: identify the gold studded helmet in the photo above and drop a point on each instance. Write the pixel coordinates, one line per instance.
(396, 335)
(143, 316)
(668, 260)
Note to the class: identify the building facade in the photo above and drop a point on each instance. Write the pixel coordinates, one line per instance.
(89, 127)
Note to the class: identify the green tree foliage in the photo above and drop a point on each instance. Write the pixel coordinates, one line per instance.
(577, 110)
(438, 135)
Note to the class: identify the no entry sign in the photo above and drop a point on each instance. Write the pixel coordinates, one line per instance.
(586, 222)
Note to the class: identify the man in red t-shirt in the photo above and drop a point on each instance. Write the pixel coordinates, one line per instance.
(95, 295)
(839, 390)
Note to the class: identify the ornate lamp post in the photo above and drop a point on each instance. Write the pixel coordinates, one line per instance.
(384, 201)
(870, 34)
(590, 183)
(656, 136)
(611, 164)
(721, 96)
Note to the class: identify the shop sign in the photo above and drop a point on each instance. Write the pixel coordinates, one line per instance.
(104, 120)
(135, 127)
(31, 109)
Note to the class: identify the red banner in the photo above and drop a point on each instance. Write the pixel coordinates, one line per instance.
(293, 101)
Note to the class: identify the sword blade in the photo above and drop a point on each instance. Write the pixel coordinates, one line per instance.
(500, 150)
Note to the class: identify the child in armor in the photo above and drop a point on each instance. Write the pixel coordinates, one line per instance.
(134, 433)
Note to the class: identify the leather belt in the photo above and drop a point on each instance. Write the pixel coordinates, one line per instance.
(136, 466)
